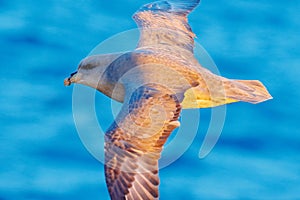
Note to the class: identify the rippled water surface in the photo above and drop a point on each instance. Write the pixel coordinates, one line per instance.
(42, 157)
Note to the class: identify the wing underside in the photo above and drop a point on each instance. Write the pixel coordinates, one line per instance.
(134, 142)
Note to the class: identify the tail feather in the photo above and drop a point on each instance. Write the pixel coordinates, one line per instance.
(251, 91)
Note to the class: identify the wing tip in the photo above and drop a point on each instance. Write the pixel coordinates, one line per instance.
(171, 6)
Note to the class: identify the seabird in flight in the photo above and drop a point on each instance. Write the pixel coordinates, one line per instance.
(154, 82)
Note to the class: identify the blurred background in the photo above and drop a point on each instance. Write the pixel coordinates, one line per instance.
(42, 157)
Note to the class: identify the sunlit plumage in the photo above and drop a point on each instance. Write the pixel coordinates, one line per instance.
(155, 81)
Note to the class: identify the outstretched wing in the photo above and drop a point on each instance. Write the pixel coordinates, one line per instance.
(134, 142)
(164, 24)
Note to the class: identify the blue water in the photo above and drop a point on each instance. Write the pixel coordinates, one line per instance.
(42, 157)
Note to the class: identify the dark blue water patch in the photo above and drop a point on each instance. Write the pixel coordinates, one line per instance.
(251, 144)
(266, 15)
(9, 195)
(70, 152)
(33, 39)
(64, 155)
(82, 193)
(11, 119)
(2, 196)
(2, 4)
(26, 39)
(38, 195)
(275, 19)
(56, 102)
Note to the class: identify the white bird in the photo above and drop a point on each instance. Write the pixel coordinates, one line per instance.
(155, 81)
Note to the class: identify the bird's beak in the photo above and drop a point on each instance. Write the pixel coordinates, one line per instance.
(71, 79)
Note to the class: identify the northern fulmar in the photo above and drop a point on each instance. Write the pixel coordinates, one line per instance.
(154, 82)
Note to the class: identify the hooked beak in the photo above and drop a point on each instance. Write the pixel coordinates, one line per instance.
(71, 79)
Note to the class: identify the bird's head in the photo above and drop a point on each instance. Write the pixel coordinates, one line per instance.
(90, 70)
(85, 73)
